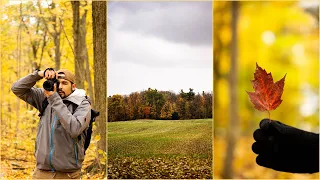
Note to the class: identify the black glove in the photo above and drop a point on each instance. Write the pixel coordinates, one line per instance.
(285, 148)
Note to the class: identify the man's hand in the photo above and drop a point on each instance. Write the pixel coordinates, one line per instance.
(49, 93)
(285, 148)
(49, 73)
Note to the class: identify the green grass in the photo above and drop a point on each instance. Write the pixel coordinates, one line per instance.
(160, 138)
(160, 149)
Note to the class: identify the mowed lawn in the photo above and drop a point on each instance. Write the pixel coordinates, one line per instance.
(160, 149)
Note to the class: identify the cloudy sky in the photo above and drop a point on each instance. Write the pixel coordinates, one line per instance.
(162, 45)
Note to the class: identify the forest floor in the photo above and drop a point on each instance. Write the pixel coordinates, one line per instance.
(17, 155)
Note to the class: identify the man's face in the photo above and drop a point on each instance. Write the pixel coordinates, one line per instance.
(65, 88)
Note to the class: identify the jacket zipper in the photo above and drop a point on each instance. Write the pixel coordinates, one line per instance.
(51, 143)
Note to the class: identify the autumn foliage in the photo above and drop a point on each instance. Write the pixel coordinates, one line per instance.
(37, 35)
(274, 40)
(267, 95)
(164, 105)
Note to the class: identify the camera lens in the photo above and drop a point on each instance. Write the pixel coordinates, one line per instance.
(48, 85)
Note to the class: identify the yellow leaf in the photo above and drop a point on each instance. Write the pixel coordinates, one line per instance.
(100, 151)
(102, 161)
(97, 138)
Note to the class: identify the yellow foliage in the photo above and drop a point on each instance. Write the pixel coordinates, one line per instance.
(97, 138)
(19, 121)
(282, 38)
(100, 151)
(103, 161)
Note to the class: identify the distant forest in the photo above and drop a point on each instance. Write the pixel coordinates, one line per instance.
(162, 105)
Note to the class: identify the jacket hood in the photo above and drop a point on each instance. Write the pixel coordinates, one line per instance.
(77, 96)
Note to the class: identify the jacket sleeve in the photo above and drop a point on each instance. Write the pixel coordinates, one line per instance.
(23, 88)
(74, 123)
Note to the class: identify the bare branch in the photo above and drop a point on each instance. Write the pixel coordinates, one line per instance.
(37, 32)
(44, 20)
(43, 45)
(28, 32)
(66, 37)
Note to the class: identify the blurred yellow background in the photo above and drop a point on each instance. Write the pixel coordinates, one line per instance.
(283, 38)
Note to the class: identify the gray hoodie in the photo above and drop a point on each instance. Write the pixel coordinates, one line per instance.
(60, 141)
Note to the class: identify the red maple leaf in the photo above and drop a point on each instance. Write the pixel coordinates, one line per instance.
(267, 95)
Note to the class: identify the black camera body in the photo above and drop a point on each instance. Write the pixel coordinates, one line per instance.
(49, 84)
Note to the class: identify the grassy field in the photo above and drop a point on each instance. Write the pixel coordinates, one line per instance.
(160, 149)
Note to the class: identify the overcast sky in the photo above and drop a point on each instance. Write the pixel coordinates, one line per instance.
(162, 45)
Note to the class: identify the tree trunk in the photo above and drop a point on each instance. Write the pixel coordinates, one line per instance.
(84, 53)
(233, 81)
(42, 50)
(17, 109)
(56, 40)
(78, 60)
(1, 97)
(9, 112)
(99, 25)
(88, 79)
(55, 35)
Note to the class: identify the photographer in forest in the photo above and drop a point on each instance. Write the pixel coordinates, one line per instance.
(64, 116)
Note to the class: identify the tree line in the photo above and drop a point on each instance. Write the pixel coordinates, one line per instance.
(161, 105)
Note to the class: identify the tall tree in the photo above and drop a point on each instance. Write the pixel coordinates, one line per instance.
(135, 104)
(220, 48)
(84, 51)
(196, 107)
(54, 28)
(78, 61)
(35, 33)
(36, 36)
(233, 81)
(166, 111)
(82, 68)
(156, 101)
(126, 109)
(19, 57)
(115, 108)
(99, 25)
(207, 104)
(181, 107)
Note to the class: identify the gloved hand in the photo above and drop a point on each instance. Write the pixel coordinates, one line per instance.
(285, 148)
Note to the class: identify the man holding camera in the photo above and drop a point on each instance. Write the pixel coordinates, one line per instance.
(59, 149)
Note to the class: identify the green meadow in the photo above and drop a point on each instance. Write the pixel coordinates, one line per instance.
(163, 149)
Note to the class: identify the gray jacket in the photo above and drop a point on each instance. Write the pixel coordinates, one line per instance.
(60, 141)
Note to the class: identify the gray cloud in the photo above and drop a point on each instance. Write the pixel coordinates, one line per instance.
(163, 45)
(180, 22)
(155, 52)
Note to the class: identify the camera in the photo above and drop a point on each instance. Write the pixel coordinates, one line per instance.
(49, 84)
